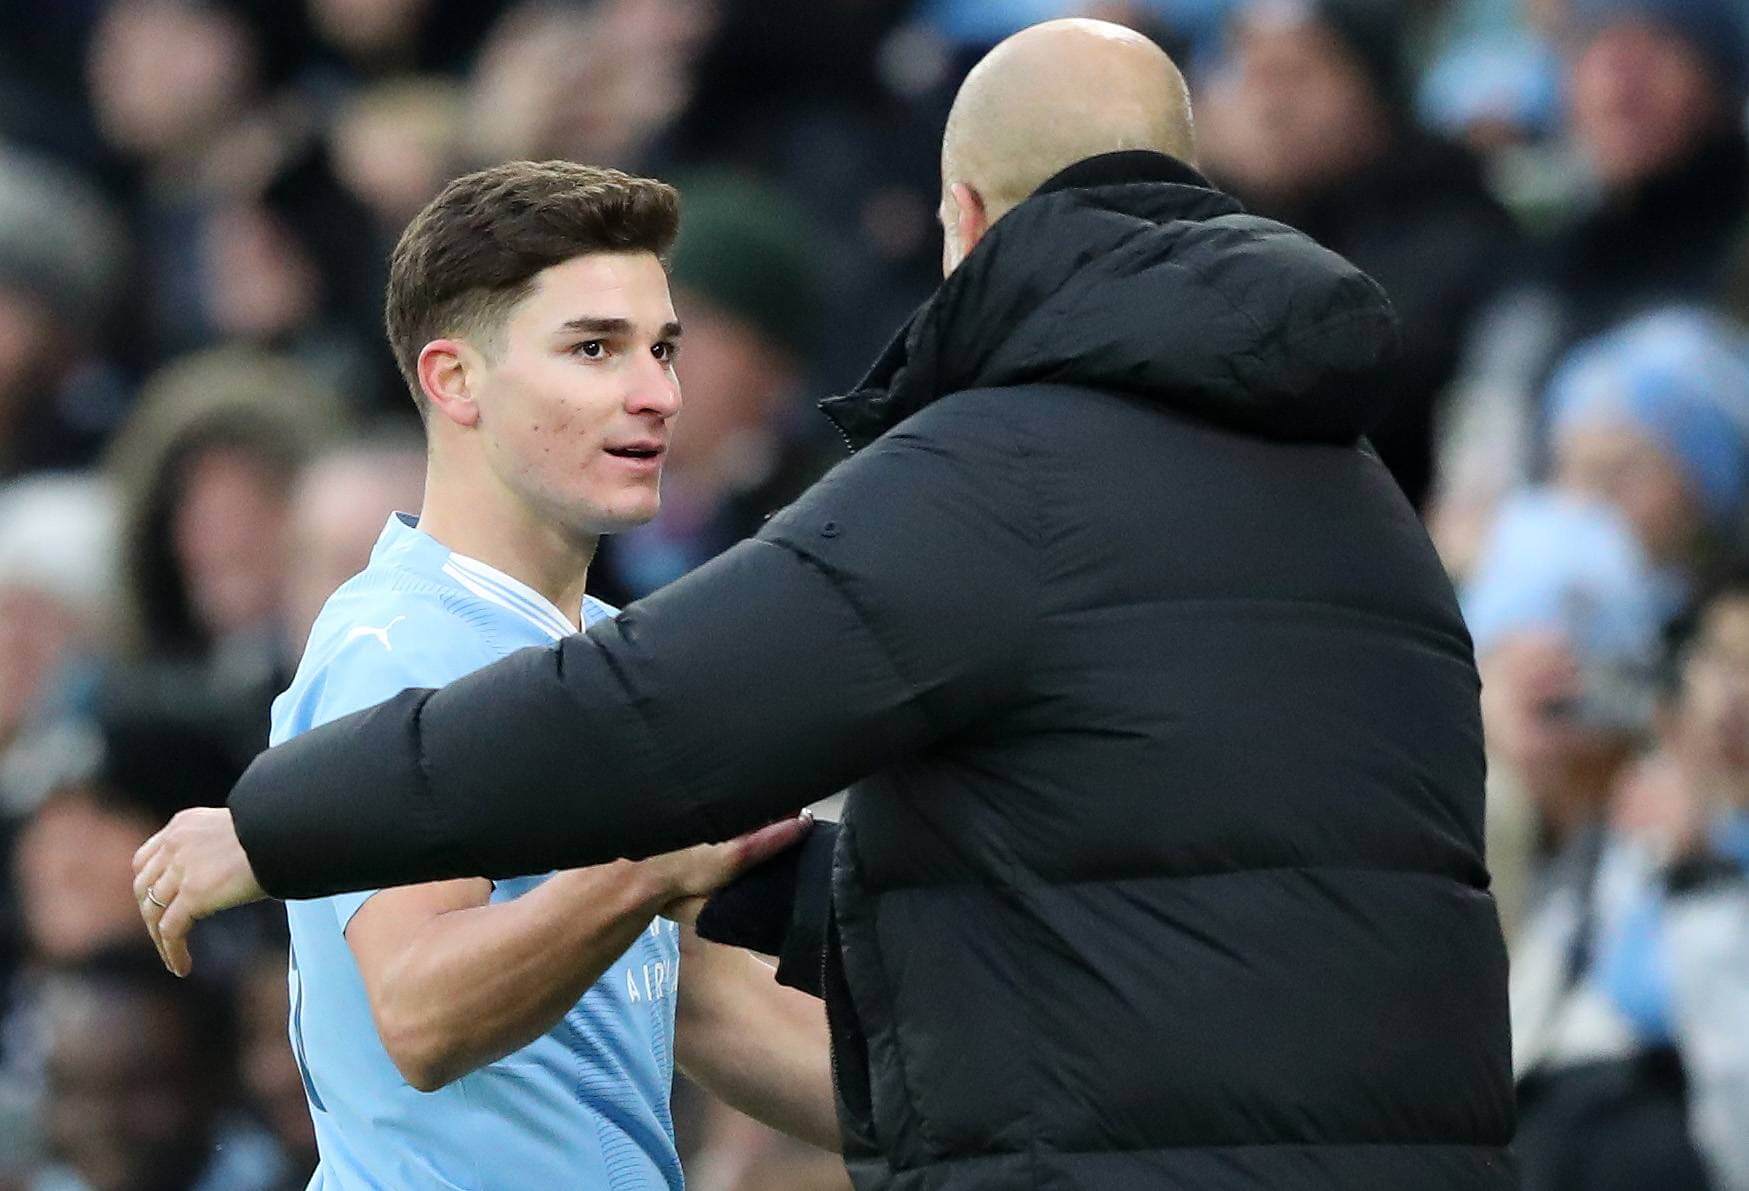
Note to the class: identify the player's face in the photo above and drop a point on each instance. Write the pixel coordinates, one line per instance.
(579, 398)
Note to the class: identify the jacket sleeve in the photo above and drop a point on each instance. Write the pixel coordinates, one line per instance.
(779, 908)
(888, 608)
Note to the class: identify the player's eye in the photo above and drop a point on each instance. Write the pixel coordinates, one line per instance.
(592, 349)
(665, 351)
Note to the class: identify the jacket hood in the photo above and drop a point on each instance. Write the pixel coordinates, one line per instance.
(1128, 272)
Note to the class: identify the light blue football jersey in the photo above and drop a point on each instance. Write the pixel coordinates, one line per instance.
(586, 1104)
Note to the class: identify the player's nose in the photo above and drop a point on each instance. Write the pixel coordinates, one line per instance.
(654, 390)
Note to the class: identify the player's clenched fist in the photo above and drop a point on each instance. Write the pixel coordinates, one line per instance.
(191, 870)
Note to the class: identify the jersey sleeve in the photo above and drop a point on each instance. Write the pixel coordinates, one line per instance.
(369, 656)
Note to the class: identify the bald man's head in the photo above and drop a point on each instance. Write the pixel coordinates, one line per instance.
(1050, 96)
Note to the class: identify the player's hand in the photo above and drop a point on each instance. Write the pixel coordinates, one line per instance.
(691, 874)
(191, 870)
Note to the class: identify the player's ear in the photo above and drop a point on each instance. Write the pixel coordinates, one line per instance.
(443, 375)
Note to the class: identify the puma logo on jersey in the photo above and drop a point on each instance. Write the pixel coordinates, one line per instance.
(382, 634)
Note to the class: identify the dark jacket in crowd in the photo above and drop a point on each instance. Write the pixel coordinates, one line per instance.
(1668, 240)
(1421, 222)
(1162, 862)
(1672, 239)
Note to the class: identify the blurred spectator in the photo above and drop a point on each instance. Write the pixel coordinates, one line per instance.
(839, 107)
(1658, 85)
(1654, 418)
(395, 144)
(79, 796)
(68, 897)
(392, 145)
(1677, 969)
(747, 288)
(1309, 124)
(599, 85)
(339, 504)
(1563, 613)
(73, 874)
(513, 89)
(295, 265)
(1680, 970)
(1655, 95)
(139, 1086)
(374, 36)
(271, 1079)
(1709, 729)
(1494, 82)
(359, 41)
(57, 586)
(169, 77)
(62, 256)
(244, 231)
(205, 466)
(1493, 93)
(175, 91)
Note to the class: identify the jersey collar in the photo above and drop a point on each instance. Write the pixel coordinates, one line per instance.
(403, 536)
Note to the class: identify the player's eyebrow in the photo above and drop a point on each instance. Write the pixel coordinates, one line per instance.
(599, 326)
(618, 326)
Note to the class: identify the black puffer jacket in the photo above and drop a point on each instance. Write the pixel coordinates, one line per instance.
(1421, 221)
(1162, 865)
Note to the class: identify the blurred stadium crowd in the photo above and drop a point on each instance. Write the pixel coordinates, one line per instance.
(201, 434)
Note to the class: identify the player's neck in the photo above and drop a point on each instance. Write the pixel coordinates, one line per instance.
(502, 533)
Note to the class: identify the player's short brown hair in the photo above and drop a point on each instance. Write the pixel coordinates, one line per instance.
(473, 252)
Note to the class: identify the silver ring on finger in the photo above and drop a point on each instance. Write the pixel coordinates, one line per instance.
(152, 897)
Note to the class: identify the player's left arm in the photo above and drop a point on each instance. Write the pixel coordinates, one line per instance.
(758, 1046)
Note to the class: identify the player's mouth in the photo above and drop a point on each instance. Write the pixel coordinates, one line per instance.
(645, 453)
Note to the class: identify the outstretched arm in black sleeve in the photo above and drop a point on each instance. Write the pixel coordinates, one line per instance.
(885, 610)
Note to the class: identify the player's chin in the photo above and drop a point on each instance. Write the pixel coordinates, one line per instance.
(632, 509)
